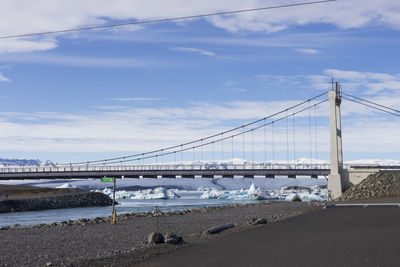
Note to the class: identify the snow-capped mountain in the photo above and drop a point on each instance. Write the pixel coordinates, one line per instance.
(24, 162)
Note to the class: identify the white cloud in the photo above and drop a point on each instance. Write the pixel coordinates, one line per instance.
(127, 129)
(67, 14)
(308, 51)
(4, 78)
(194, 50)
(77, 61)
(126, 99)
(119, 129)
(8, 46)
(371, 82)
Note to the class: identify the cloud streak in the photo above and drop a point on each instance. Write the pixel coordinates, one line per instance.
(4, 78)
(77, 61)
(195, 50)
(308, 51)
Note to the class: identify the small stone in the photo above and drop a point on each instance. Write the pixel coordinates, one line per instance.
(296, 199)
(172, 238)
(155, 238)
(258, 221)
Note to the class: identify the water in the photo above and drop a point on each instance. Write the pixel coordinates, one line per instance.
(188, 200)
(189, 197)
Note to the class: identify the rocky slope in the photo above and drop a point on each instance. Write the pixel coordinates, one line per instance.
(379, 185)
(28, 198)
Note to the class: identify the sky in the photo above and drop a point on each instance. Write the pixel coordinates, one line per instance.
(95, 94)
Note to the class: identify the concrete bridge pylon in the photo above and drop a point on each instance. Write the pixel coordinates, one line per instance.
(335, 177)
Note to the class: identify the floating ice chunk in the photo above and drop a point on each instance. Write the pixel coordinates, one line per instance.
(203, 189)
(156, 193)
(211, 194)
(253, 193)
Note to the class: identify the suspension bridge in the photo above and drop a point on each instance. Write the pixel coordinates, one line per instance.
(208, 157)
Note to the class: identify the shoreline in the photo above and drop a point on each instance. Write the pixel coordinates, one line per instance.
(148, 214)
(66, 243)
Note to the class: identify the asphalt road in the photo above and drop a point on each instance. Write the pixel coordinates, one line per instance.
(350, 236)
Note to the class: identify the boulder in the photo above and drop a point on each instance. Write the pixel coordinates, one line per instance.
(155, 238)
(172, 238)
(296, 199)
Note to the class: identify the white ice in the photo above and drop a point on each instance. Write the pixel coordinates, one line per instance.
(156, 193)
(255, 193)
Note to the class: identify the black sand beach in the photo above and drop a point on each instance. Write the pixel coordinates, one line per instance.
(101, 243)
(352, 236)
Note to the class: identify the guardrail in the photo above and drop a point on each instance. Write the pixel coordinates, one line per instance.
(181, 167)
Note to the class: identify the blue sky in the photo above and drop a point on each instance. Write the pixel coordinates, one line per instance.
(95, 94)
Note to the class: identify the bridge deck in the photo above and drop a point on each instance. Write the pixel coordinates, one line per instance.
(164, 171)
(173, 171)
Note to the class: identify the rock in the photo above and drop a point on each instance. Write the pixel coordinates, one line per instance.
(296, 199)
(172, 238)
(220, 228)
(258, 221)
(155, 238)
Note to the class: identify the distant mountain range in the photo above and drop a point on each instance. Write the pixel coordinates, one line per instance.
(24, 162)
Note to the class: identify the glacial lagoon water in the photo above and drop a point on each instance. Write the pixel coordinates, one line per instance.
(191, 193)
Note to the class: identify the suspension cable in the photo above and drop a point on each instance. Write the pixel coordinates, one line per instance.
(294, 139)
(243, 144)
(201, 150)
(287, 138)
(374, 103)
(355, 101)
(198, 140)
(315, 134)
(309, 124)
(222, 146)
(265, 144)
(252, 147)
(233, 135)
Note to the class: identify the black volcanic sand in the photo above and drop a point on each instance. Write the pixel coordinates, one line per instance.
(100, 244)
(351, 236)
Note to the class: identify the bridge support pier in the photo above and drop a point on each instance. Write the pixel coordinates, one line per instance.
(335, 177)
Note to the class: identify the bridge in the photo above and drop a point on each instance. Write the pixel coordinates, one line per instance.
(208, 155)
(168, 171)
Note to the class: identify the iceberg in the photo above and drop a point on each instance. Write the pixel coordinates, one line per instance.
(255, 193)
(156, 193)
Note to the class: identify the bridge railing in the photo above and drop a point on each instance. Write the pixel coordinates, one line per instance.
(164, 167)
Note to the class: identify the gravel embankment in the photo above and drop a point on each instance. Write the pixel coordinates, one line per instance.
(384, 184)
(86, 199)
(15, 198)
(87, 243)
